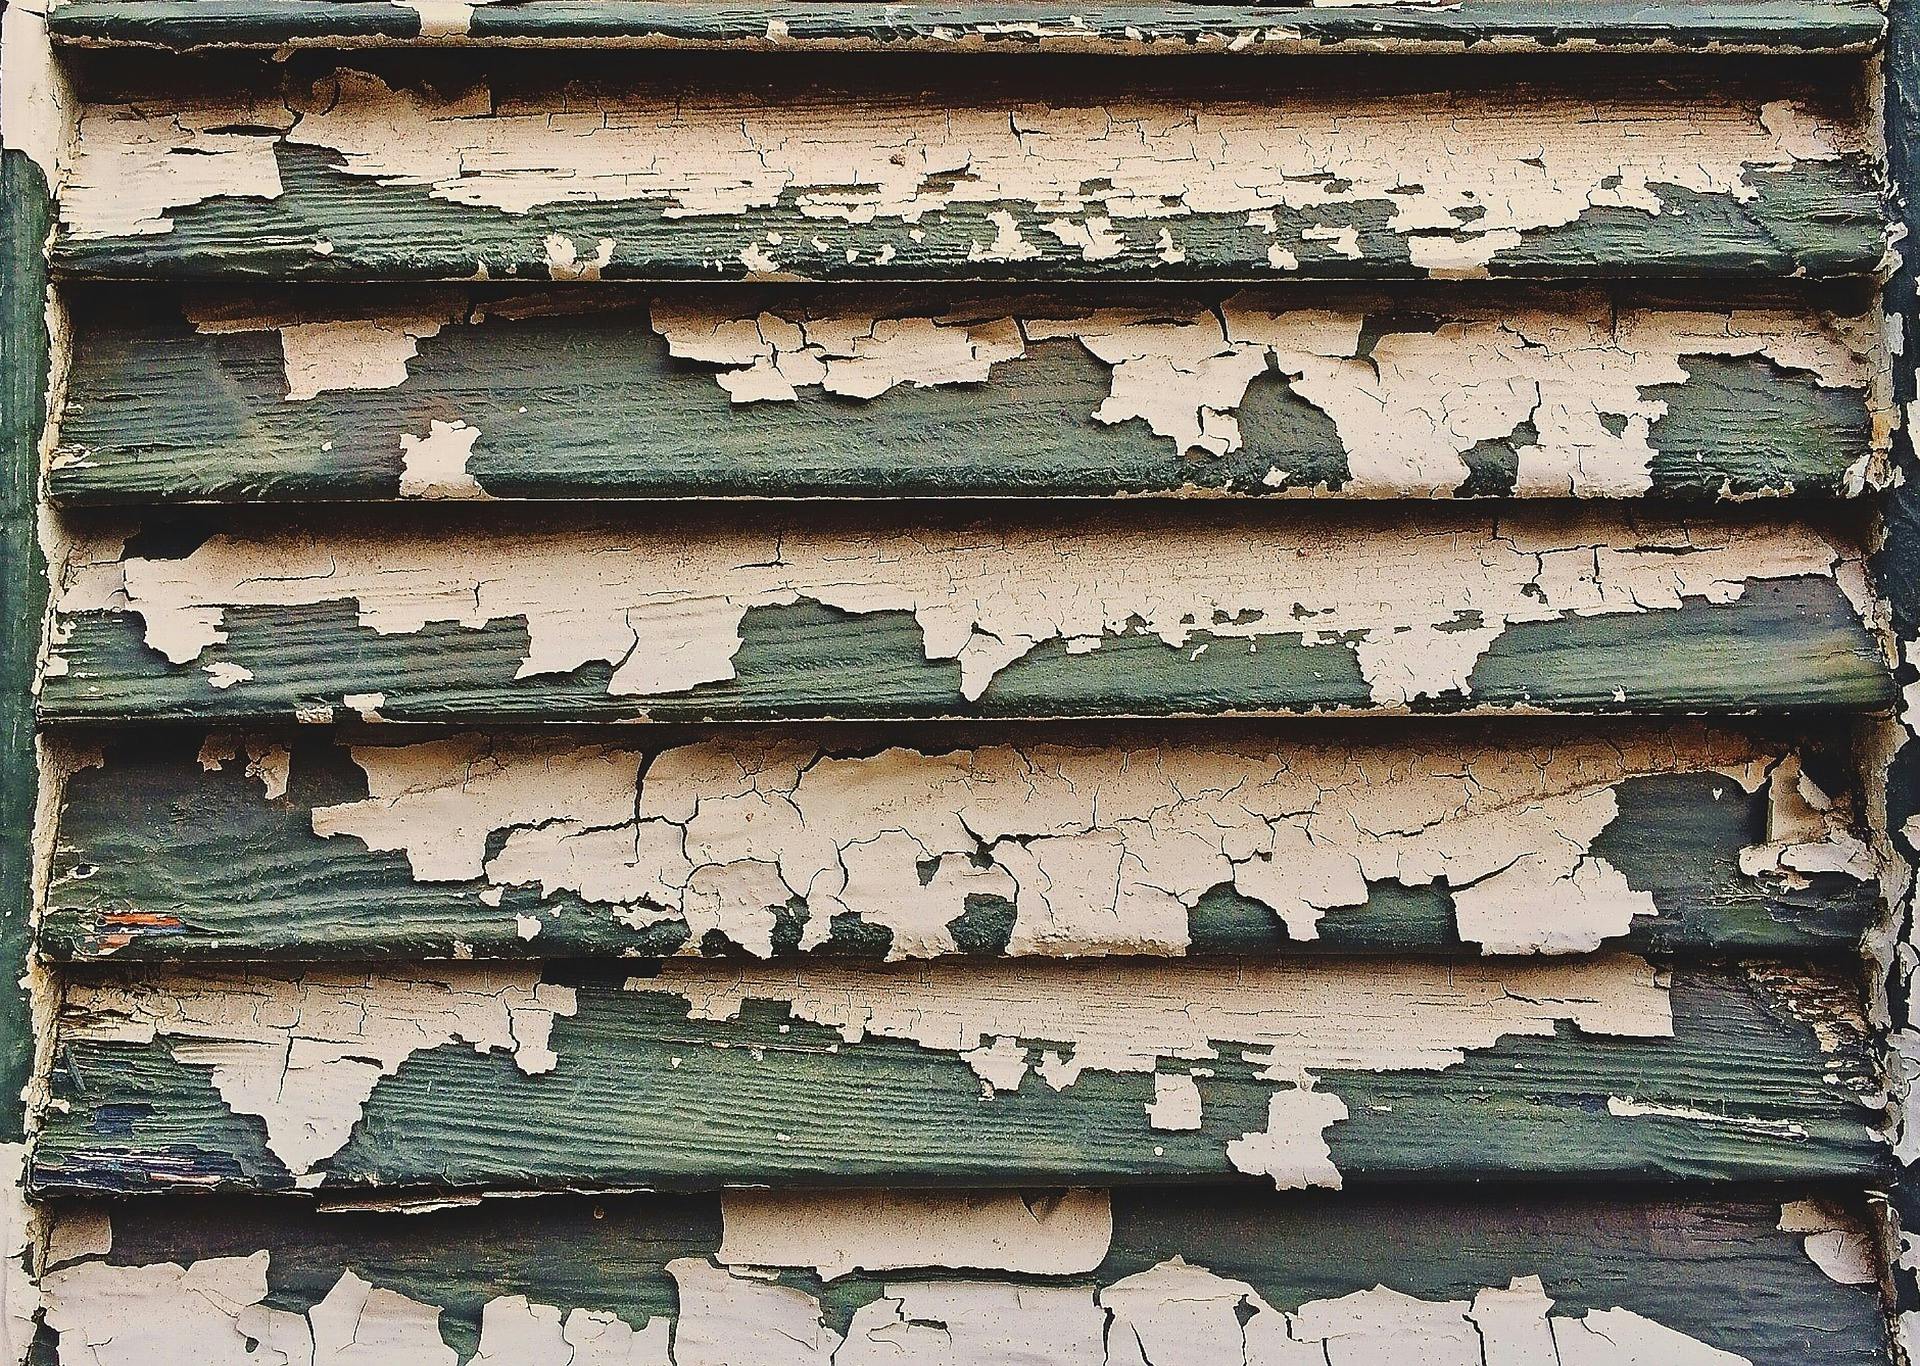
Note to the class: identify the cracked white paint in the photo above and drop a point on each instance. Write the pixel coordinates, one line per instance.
(164, 157)
(1174, 1313)
(1289, 1020)
(1417, 605)
(1408, 405)
(1459, 177)
(887, 1230)
(304, 1054)
(1098, 850)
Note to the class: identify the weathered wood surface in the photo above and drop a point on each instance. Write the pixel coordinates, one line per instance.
(699, 1075)
(226, 846)
(609, 394)
(1070, 614)
(996, 26)
(1073, 1278)
(735, 172)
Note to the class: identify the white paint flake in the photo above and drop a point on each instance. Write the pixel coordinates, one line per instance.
(305, 1053)
(435, 466)
(1098, 850)
(1417, 606)
(332, 354)
(835, 1235)
(1833, 1242)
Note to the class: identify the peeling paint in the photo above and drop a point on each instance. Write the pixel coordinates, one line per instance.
(305, 1053)
(1098, 850)
(1287, 1019)
(1459, 178)
(1419, 605)
(1409, 403)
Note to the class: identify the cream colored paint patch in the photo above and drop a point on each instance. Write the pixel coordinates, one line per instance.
(1099, 850)
(330, 354)
(141, 162)
(435, 465)
(1452, 169)
(1419, 604)
(1833, 1242)
(1290, 1020)
(304, 1054)
(1408, 406)
(1059, 1235)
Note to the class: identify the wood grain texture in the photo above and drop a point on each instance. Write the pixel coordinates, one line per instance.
(1072, 614)
(545, 1275)
(211, 847)
(607, 394)
(971, 1073)
(1786, 26)
(745, 172)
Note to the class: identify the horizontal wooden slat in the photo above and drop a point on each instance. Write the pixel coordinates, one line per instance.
(192, 847)
(1788, 26)
(744, 172)
(537, 396)
(1080, 614)
(1190, 1277)
(1304, 1074)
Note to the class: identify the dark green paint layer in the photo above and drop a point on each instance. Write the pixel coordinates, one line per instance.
(1784, 644)
(158, 859)
(1716, 1268)
(766, 1098)
(590, 404)
(1789, 26)
(25, 222)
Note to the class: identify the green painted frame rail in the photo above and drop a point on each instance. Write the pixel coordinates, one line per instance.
(1673, 1275)
(1753, 26)
(601, 393)
(200, 848)
(697, 1075)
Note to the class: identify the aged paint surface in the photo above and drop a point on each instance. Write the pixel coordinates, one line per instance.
(1420, 614)
(693, 182)
(1153, 1279)
(698, 1075)
(455, 395)
(773, 844)
(1502, 25)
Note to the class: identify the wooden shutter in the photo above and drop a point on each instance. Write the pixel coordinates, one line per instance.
(834, 683)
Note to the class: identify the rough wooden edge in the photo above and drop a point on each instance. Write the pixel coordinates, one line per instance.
(1756, 26)
(35, 113)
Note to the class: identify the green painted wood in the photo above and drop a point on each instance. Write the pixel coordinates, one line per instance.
(708, 1075)
(1716, 1268)
(191, 399)
(362, 175)
(1789, 26)
(25, 360)
(1074, 614)
(202, 848)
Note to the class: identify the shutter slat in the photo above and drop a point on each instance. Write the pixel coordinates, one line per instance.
(1081, 615)
(726, 394)
(970, 1073)
(204, 847)
(493, 172)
